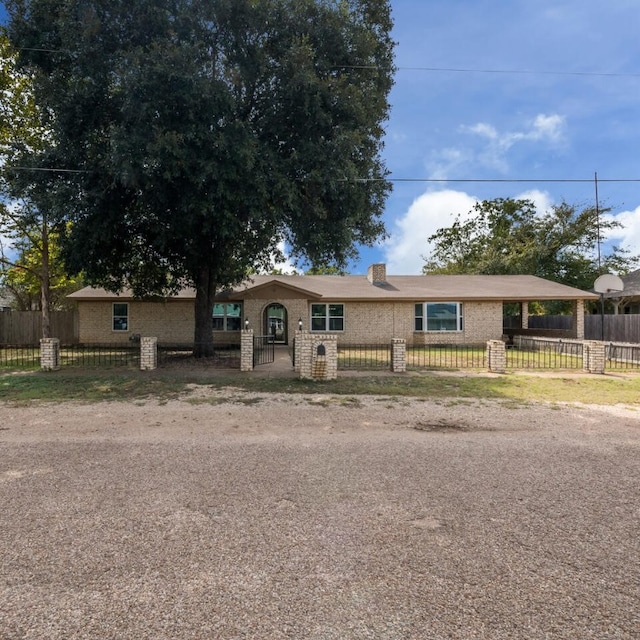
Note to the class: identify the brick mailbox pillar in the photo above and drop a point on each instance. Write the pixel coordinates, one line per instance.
(50, 354)
(148, 354)
(317, 356)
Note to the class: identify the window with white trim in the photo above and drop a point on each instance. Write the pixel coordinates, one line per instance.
(327, 317)
(438, 316)
(120, 316)
(227, 316)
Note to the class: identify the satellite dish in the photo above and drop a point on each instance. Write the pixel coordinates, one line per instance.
(608, 283)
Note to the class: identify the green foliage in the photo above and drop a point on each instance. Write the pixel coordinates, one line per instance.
(206, 132)
(325, 270)
(507, 236)
(32, 271)
(23, 276)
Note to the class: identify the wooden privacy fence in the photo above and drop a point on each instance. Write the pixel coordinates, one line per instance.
(25, 327)
(617, 328)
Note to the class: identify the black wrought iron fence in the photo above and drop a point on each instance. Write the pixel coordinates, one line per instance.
(19, 357)
(622, 356)
(225, 355)
(364, 356)
(447, 356)
(536, 353)
(264, 350)
(100, 355)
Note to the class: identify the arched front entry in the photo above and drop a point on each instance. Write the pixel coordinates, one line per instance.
(275, 322)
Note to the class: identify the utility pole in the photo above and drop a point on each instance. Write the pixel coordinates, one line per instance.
(598, 222)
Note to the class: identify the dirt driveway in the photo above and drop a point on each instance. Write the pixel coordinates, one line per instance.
(234, 515)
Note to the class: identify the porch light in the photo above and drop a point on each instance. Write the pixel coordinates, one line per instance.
(300, 324)
(246, 324)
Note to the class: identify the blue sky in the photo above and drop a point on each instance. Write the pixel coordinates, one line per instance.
(554, 118)
(518, 90)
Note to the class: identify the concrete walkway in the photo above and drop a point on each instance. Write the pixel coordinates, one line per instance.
(282, 365)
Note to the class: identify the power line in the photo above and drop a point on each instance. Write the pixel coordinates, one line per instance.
(525, 72)
(494, 180)
(392, 179)
(529, 72)
(49, 169)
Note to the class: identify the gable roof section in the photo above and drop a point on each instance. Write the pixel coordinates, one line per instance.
(458, 288)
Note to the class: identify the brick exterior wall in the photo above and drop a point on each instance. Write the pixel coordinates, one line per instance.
(253, 310)
(482, 321)
(365, 322)
(170, 322)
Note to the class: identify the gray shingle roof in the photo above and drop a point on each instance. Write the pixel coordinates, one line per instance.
(428, 287)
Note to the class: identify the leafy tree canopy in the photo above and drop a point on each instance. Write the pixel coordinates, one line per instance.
(200, 133)
(22, 276)
(505, 236)
(30, 266)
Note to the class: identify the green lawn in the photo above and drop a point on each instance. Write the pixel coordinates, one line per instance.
(95, 385)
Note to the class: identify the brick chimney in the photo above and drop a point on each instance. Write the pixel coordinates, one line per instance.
(377, 273)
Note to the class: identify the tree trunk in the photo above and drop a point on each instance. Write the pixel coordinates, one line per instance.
(44, 284)
(203, 333)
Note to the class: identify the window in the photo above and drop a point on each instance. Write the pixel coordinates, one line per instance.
(327, 317)
(438, 316)
(227, 317)
(120, 316)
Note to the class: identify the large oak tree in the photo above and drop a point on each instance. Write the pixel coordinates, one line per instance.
(200, 133)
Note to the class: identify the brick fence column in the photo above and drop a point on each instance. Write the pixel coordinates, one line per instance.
(246, 350)
(594, 356)
(148, 354)
(50, 354)
(578, 319)
(497, 356)
(398, 355)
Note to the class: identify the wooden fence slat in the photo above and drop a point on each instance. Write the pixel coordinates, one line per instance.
(617, 328)
(25, 327)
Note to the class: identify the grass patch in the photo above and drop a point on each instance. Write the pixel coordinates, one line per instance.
(136, 386)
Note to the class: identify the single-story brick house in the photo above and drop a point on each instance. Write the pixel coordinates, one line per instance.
(438, 309)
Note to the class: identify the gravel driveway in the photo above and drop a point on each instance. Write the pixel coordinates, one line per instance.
(236, 515)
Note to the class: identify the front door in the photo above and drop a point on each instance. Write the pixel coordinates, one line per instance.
(275, 322)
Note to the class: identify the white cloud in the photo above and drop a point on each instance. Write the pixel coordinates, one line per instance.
(286, 266)
(628, 234)
(541, 200)
(405, 249)
(407, 246)
(492, 146)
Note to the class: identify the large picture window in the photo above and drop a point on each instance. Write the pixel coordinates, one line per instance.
(327, 317)
(438, 316)
(227, 316)
(120, 318)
